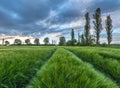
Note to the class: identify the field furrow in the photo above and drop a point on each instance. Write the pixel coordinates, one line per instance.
(110, 55)
(65, 70)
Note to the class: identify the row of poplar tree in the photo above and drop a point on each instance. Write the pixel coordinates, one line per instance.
(86, 38)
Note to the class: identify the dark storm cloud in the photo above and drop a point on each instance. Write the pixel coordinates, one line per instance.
(39, 9)
(26, 11)
(105, 5)
(72, 11)
(21, 14)
(66, 13)
(66, 16)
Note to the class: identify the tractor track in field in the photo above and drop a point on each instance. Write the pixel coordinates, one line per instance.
(51, 61)
(99, 69)
(105, 56)
(49, 56)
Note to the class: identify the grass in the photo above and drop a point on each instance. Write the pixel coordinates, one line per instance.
(76, 67)
(109, 66)
(112, 55)
(65, 70)
(18, 66)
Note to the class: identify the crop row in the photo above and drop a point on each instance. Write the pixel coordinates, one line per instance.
(110, 55)
(105, 52)
(109, 66)
(65, 70)
(18, 66)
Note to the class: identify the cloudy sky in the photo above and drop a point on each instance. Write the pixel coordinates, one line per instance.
(54, 18)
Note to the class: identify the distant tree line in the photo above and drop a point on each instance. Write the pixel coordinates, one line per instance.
(86, 38)
(28, 42)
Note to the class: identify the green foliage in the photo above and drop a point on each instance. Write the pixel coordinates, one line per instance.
(46, 41)
(17, 42)
(7, 43)
(27, 41)
(90, 40)
(87, 28)
(103, 44)
(109, 29)
(68, 43)
(62, 41)
(97, 24)
(36, 41)
(82, 39)
(73, 41)
(72, 34)
(65, 70)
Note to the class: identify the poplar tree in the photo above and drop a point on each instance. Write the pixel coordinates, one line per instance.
(72, 35)
(97, 24)
(87, 28)
(109, 29)
(73, 40)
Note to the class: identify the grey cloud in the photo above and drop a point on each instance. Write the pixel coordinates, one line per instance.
(20, 16)
(105, 5)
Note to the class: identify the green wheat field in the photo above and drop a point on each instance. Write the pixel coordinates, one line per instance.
(59, 67)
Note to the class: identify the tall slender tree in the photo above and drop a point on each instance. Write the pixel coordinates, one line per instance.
(73, 40)
(52, 42)
(78, 37)
(87, 28)
(82, 39)
(97, 24)
(3, 41)
(72, 35)
(109, 29)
